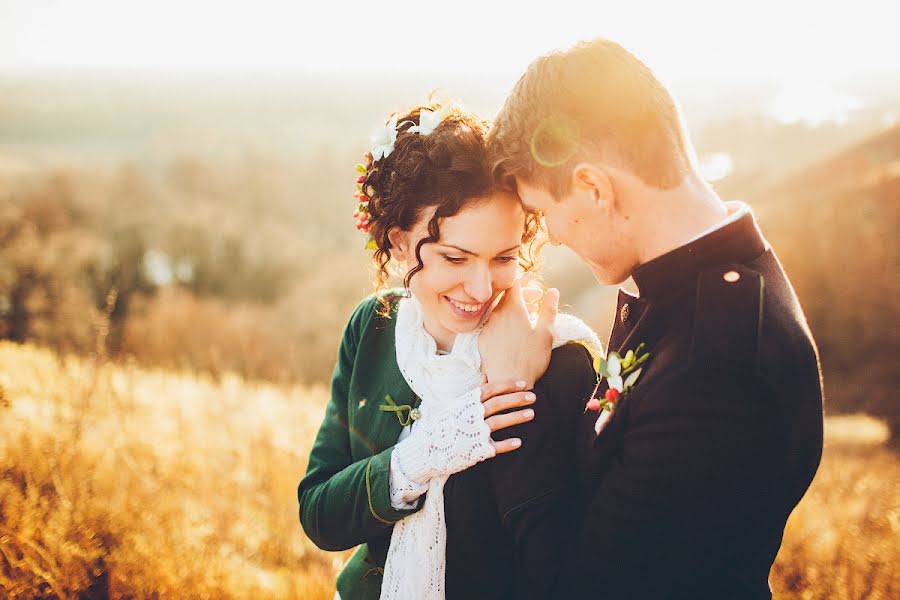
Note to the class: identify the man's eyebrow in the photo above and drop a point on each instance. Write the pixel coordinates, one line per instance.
(469, 252)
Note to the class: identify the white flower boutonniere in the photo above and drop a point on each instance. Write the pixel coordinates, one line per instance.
(383, 140)
(614, 367)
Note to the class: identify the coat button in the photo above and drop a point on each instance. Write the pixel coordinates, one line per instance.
(625, 312)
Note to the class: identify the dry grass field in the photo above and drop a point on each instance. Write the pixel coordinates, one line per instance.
(122, 482)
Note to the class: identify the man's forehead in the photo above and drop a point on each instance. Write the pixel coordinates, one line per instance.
(532, 197)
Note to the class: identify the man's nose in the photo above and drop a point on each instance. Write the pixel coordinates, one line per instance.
(479, 285)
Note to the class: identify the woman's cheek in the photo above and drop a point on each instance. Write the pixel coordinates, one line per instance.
(505, 276)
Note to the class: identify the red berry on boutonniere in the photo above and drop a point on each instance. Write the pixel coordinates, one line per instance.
(621, 373)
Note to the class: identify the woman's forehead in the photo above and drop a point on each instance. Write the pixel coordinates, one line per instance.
(485, 225)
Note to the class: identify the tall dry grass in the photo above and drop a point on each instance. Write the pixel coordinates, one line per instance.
(120, 482)
(843, 540)
(128, 483)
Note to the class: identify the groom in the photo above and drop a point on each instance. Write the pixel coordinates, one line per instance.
(685, 490)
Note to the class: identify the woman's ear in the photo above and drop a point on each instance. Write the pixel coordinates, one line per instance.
(399, 243)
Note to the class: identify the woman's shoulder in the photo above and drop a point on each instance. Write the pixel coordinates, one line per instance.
(376, 306)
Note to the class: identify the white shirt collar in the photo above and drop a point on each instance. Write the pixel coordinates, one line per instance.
(736, 210)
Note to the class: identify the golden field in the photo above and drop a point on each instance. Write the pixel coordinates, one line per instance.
(126, 482)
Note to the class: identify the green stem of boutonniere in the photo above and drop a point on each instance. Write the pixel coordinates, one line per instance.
(391, 406)
(637, 362)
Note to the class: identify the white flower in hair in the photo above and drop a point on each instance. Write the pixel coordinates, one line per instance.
(429, 120)
(383, 140)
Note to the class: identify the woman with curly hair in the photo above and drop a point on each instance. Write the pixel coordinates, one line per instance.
(399, 466)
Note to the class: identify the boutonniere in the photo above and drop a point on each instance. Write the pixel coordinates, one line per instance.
(621, 373)
(406, 414)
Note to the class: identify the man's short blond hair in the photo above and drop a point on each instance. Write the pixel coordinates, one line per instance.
(595, 99)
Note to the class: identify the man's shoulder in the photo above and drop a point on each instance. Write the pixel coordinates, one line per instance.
(747, 334)
(728, 315)
(570, 372)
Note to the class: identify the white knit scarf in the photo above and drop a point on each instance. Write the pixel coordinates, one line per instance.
(449, 386)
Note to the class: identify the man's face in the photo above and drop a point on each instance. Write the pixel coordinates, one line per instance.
(588, 227)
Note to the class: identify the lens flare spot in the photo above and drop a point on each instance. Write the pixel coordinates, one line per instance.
(555, 141)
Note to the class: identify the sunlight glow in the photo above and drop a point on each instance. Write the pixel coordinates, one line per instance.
(813, 105)
(701, 40)
(716, 166)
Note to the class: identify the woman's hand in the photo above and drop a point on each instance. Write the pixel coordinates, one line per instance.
(501, 396)
(511, 345)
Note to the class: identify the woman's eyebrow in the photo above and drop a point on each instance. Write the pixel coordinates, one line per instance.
(469, 252)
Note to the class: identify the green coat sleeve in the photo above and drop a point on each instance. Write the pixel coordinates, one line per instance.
(345, 499)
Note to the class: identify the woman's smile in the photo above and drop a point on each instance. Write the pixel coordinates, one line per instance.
(465, 310)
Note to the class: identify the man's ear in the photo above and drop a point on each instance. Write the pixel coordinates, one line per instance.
(399, 243)
(589, 178)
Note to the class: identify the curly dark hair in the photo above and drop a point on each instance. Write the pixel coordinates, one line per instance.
(446, 169)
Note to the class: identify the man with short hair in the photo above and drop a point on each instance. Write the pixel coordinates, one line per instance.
(687, 471)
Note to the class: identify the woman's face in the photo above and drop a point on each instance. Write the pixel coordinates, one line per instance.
(474, 260)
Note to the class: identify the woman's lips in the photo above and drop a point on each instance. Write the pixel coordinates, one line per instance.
(464, 314)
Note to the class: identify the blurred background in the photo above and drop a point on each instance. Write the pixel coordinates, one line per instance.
(178, 259)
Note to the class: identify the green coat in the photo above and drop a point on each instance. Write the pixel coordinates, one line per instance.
(344, 496)
(508, 518)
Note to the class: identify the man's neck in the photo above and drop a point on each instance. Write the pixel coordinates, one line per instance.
(674, 217)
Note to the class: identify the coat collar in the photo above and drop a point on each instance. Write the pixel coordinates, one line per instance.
(737, 241)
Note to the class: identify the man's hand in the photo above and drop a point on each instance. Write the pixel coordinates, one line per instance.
(504, 395)
(511, 347)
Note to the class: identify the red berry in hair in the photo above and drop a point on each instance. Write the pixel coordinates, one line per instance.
(363, 198)
(361, 179)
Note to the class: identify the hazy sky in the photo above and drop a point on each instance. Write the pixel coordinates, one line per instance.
(700, 40)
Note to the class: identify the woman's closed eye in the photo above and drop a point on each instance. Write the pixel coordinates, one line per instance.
(458, 260)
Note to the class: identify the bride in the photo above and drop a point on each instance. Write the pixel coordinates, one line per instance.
(399, 466)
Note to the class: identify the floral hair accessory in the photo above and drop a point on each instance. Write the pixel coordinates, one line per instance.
(613, 368)
(361, 214)
(429, 120)
(382, 145)
(383, 140)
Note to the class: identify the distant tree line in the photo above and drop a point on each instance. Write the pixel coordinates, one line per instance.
(253, 265)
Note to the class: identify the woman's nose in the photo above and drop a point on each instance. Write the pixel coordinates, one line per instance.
(479, 285)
